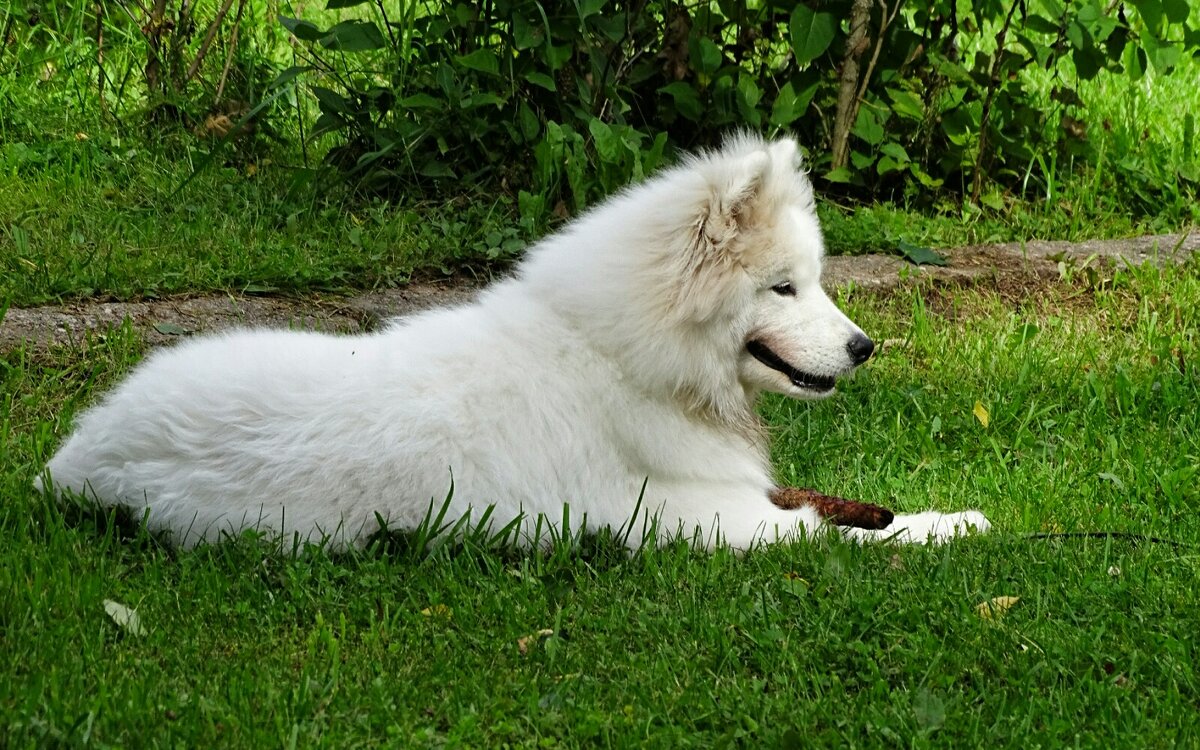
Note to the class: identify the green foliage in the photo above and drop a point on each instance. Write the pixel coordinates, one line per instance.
(554, 105)
(597, 91)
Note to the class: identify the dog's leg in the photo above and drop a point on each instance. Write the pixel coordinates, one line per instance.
(921, 528)
(835, 510)
(731, 516)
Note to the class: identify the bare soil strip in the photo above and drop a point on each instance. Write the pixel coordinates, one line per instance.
(166, 320)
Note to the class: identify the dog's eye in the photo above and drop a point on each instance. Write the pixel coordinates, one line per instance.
(786, 289)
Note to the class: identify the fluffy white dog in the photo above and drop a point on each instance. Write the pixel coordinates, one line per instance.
(624, 357)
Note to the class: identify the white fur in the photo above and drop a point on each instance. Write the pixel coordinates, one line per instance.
(616, 356)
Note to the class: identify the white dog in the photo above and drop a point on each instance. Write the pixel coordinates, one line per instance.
(620, 364)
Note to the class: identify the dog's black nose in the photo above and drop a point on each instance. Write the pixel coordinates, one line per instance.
(860, 348)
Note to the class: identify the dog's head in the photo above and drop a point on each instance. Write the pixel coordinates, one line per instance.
(705, 281)
(759, 223)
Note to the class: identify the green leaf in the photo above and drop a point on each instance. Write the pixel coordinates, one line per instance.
(421, 101)
(588, 8)
(811, 33)
(929, 710)
(789, 106)
(868, 127)
(1110, 477)
(1176, 11)
(886, 165)
(783, 110)
(921, 256)
(331, 101)
(906, 104)
(1134, 60)
(1089, 12)
(525, 34)
(170, 329)
(861, 161)
(289, 75)
(710, 55)
(528, 120)
(1026, 333)
(542, 80)
(748, 97)
(993, 200)
(1114, 45)
(1163, 55)
(435, 168)
(327, 123)
(354, 36)
(924, 178)
(336, 4)
(1041, 25)
(1151, 12)
(1078, 35)
(1088, 61)
(1166, 57)
(302, 30)
(687, 101)
(1053, 8)
(480, 99)
(483, 60)
(608, 144)
(841, 174)
(895, 151)
(558, 54)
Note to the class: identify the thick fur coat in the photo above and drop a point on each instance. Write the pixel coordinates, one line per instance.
(620, 363)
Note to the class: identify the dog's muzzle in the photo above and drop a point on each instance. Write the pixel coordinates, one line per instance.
(799, 378)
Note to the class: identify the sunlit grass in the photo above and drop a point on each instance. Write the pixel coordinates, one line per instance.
(1092, 427)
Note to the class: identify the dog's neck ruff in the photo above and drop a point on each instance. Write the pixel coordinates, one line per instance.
(799, 378)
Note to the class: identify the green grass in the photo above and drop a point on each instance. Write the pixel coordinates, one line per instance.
(110, 221)
(101, 217)
(1092, 425)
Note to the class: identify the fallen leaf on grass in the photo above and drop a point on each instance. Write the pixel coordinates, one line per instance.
(125, 618)
(996, 607)
(524, 641)
(981, 413)
(921, 256)
(438, 610)
(170, 329)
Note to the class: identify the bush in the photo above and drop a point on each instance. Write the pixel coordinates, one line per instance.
(890, 100)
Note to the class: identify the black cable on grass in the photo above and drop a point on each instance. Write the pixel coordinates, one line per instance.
(1108, 535)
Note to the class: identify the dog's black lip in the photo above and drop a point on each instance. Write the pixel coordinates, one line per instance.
(799, 378)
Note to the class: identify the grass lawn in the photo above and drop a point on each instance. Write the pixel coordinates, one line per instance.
(1070, 409)
(99, 218)
(1091, 425)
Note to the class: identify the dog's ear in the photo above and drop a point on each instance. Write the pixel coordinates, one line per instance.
(735, 189)
(785, 155)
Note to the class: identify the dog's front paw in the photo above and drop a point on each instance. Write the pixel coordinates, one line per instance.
(935, 528)
(929, 527)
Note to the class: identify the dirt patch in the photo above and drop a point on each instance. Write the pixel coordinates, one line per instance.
(1016, 270)
(163, 321)
(1011, 264)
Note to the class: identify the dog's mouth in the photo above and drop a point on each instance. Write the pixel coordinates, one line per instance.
(799, 378)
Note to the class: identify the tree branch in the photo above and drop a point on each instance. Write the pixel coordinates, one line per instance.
(993, 84)
(233, 40)
(847, 101)
(208, 38)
